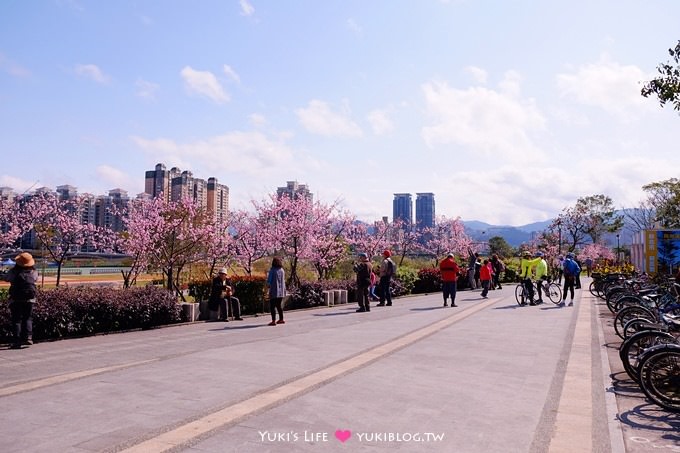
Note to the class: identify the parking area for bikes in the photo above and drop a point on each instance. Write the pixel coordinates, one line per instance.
(487, 376)
(645, 426)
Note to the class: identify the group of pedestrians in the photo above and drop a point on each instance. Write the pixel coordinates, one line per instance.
(366, 281)
(536, 268)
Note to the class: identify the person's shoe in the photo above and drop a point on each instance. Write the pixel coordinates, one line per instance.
(485, 297)
(539, 301)
(361, 310)
(368, 308)
(523, 304)
(238, 319)
(271, 323)
(381, 304)
(500, 287)
(532, 303)
(28, 342)
(280, 321)
(224, 320)
(571, 303)
(453, 305)
(445, 304)
(389, 305)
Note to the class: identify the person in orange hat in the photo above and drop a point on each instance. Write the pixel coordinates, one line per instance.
(22, 291)
(387, 270)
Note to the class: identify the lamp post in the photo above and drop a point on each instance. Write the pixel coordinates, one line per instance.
(618, 249)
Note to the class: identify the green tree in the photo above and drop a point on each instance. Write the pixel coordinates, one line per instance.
(664, 197)
(667, 86)
(499, 246)
(592, 216)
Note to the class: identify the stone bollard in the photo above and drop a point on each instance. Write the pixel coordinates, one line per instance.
(337, 296)
(343, 296)
(190, 311)
(328, 298)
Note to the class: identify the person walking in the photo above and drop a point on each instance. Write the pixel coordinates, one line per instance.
(449, 270)
(498, 267)
(485, 277)
(276, 280)
(472, 260)
(571, 270)
(374, 283)
(541, 275)
(363, 271)
(387, 268)
(22, 292)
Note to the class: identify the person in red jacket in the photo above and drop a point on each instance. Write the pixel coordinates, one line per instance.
(485, 277)
(449, 270)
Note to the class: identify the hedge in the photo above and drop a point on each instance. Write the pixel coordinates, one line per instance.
(79, 311)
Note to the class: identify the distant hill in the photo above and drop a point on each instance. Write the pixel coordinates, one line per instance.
(515, 236)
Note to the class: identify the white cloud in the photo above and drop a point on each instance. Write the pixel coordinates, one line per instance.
(257, 119)
(231, 73)
(608, 85)
(204, 83)
(479, 75)
(114, 177)
(498, 123)
(19, 185)
(236, 152)
(354, 26)
(380, 122)
(146, 89)
(318, 118)
(246, 8)
(92, 71)
(12, 68)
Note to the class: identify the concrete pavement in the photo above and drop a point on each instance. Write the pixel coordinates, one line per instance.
(488, 376)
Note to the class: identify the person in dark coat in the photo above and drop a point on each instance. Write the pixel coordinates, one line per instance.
(22, 292)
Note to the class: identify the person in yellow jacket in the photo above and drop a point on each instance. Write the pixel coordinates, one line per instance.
(526, 266)
(541, 275)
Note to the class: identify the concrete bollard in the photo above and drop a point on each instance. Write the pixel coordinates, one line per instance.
(328, 298)
(343, 296)
(191, 311)
(337, 296)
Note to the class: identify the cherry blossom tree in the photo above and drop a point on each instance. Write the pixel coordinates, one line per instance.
(596, 251)
(249, 239)
(369, 239)
(59, 227)
(329, 244)
(447, 236)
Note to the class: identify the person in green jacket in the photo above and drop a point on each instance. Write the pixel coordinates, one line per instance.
(526, 266)
(541, 275)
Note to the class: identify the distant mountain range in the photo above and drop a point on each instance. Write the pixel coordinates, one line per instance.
(481, 231)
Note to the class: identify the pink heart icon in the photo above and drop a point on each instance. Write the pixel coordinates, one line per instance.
(342, 436)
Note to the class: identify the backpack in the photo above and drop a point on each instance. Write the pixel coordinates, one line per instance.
(23, 286)
(391, 268)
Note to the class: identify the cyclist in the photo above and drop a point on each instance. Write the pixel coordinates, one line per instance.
(541, 275)
(525, 267)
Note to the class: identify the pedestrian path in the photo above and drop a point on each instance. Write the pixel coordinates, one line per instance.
(484, 377)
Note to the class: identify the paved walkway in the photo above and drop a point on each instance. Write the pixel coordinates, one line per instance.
(487, 376)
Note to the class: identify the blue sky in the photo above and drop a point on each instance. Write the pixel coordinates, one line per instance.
(507, 110)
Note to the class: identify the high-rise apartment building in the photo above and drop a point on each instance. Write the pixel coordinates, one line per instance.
(106, 207)
(425, 210)
(174, 185)
(294, 190)
(402, 208)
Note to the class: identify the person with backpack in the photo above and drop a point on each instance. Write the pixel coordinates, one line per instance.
(363, 271)
(387, 270)
(22, 291)
(571, 273)
(498, 267)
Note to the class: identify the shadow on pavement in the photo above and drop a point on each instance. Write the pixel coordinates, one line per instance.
(653, 418)
(229, 327)
(336, 314)
(428, 308)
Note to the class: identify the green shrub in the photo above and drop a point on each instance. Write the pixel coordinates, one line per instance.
(86, 310)
(429, 281)
(248, 289)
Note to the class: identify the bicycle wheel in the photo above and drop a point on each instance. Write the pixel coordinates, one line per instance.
(626, 314)
(634, 346)
(519, 294)
(660, 376)
(636, 325)
(554, 293)
(594, 288)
